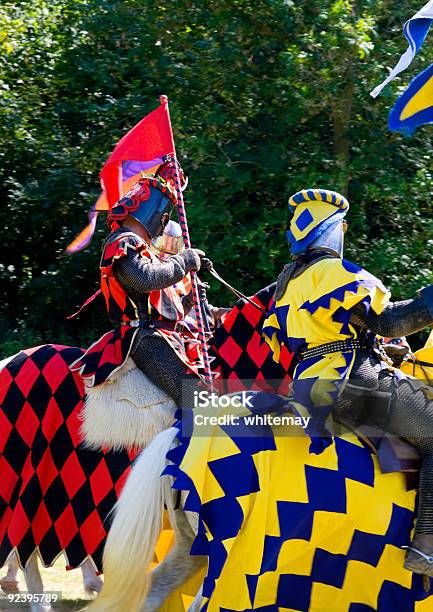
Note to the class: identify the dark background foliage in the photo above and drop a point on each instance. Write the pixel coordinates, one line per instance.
(267, 97)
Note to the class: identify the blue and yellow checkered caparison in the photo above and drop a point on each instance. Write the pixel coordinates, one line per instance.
(314, 211)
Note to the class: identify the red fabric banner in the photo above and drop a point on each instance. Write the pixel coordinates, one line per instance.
(151, 138)
(140, 150)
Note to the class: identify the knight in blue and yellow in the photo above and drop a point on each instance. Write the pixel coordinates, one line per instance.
(330, 312)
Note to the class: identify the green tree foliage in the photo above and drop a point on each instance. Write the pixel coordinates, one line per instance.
(267, 97)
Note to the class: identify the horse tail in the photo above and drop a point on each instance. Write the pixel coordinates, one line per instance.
(134, 532)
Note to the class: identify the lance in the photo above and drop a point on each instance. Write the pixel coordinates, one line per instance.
(186, 238)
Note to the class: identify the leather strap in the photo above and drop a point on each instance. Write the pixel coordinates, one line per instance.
(334, 347)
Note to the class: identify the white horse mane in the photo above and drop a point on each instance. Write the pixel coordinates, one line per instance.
(125, 412)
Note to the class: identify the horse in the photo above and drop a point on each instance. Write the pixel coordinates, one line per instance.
(92, 583)
(273, 525)
(27, 377)
(56, 493)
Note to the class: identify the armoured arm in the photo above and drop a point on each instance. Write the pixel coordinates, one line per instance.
(141, 275)
(398, 318)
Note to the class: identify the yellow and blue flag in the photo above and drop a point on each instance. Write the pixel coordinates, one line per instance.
(415, 106)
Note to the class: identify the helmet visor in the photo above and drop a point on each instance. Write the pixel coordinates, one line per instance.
(151, 211)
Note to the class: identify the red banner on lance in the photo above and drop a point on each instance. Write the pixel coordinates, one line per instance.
(149, 141)
(141, 150)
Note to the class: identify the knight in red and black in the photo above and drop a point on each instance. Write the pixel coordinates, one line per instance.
(140, 295)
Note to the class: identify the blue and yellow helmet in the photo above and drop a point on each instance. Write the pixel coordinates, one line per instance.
(314, 212)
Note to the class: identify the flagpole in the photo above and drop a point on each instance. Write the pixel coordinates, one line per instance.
(186, 238)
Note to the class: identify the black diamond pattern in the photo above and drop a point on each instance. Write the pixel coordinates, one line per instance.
(21, 459)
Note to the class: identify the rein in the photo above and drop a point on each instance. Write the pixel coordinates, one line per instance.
(209, 267)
